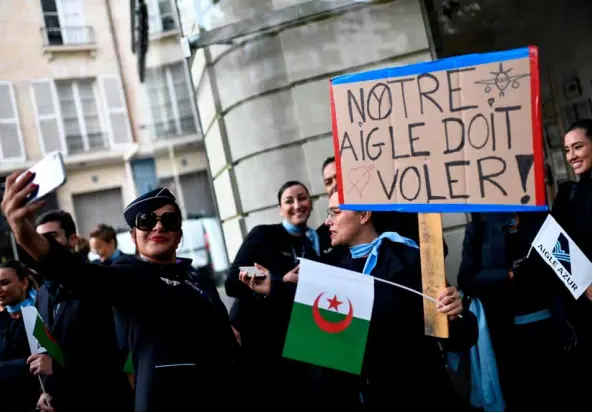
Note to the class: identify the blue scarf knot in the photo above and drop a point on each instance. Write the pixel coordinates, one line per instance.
(372, 249)
(310, 233)
(29, 301)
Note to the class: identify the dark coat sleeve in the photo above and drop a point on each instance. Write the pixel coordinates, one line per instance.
(93, 343)
(121, 286)
(250, 252)
(473, 279)
(258, 248)
(463, 331)
(10, 369)
(561, 208)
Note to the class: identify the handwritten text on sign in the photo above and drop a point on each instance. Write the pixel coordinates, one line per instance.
(457, 136)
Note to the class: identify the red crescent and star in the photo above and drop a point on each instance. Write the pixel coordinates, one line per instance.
(327, 326)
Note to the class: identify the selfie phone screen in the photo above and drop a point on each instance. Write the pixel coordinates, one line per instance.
(50, 174)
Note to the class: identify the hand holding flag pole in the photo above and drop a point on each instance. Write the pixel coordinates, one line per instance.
(403, 287)
(41, 341)
(44, 392)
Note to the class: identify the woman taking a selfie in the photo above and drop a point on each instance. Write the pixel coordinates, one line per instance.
(403, 368)
(181, 342)
(19, 388)
(262, 316)
(572, 210)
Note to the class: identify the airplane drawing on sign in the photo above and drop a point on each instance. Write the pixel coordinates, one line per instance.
(502, 80)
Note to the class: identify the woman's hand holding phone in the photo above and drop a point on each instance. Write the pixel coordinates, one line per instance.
(19, 215)
(259, 281)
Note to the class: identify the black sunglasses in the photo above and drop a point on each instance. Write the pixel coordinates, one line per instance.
(171, 221)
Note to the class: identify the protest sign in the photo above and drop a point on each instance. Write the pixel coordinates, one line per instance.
(461, 134)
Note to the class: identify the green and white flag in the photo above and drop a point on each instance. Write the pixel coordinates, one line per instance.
(330, 317)
(40, 339)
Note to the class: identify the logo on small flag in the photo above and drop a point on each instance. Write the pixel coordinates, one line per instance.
(563, 256)
(332, 327)
(562, 252)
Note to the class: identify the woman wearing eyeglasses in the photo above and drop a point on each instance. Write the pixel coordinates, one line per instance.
(403, 368)
(179, 335)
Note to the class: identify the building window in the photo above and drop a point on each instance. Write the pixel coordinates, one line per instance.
(160, 16)
(170, 101)
(197, 193)
(11, 138)
(64, 23)
(82, 124)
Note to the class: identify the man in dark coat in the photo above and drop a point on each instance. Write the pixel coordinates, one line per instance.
(103, 242)
(330, 255)
(91, 378)
(519, 303)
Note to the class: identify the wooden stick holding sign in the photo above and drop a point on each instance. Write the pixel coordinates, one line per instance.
(432, 259)
(447, 136)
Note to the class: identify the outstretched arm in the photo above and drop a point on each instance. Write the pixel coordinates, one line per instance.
(55, 262)
(118, 285)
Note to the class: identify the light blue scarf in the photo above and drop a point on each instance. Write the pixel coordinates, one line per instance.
(486, 392)
(372, 249)
(30, 300)
(310, 233)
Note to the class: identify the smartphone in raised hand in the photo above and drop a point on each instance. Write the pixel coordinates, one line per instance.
(50, 174)
(253, 272)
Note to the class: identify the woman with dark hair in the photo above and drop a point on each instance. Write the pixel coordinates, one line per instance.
(403, 368)
(572, 210)
(262, 319)
(181, 342)
(19, 389)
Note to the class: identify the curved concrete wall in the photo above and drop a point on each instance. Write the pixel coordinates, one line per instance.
(264, 103)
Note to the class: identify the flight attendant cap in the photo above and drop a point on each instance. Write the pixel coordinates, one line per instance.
(149, 202)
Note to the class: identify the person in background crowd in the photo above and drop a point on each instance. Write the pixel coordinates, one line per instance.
(329, 254)
(518, 304)
(403, 368)
(262, 320)
(572, 210)
(19, 388)
(84, 329)
(181, 342)
(82, 249)
(103, 242)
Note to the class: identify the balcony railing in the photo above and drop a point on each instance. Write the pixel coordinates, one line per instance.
(94, 142)
(69, 35)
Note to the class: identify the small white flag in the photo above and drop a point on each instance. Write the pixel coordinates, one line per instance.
(561, 253)
(30, 316)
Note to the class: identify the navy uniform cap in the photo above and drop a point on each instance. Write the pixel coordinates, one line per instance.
(148, 202)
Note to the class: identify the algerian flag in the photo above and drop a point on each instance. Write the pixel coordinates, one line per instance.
(129, 366)
(330, 317)
(561, 253)
(40, 340)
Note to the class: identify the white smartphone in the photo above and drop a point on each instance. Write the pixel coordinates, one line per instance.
(252, 272)
(50, 174)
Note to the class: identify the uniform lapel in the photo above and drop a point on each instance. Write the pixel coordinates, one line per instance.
(60, 314)
(388, 264)
(43, 306)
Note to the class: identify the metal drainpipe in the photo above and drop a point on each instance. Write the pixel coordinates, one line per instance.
(208, 169)
(121, 72)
